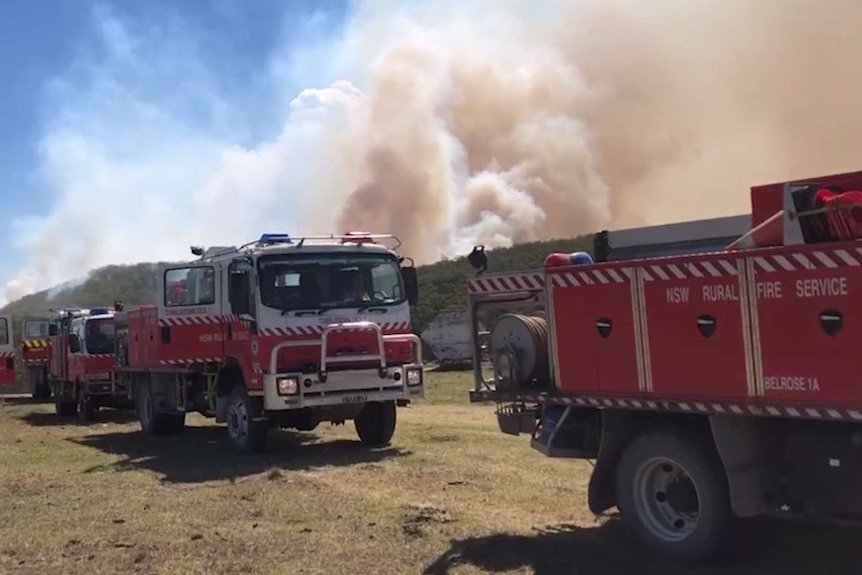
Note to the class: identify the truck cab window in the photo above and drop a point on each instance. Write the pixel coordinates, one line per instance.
(4, 331)
(99, 336)
(322, 280)
(191, 286)
(35, 328)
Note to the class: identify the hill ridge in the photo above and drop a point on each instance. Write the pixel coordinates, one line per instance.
(442, 285)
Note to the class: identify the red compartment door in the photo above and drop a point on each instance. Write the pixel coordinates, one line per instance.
(809, 318)
(695, 332)
(594, 327)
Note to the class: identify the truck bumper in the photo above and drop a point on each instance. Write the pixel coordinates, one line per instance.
(286, 391)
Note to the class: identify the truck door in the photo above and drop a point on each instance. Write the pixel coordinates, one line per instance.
(240, 336)
(190, 318)
(7, 352)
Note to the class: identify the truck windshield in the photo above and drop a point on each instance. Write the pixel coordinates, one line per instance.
(100, 335)
(35, 328)
(322, 281)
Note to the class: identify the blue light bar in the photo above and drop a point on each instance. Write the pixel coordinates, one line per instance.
(99, 310)
(275, 239)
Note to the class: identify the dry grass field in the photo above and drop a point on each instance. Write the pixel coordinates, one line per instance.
(451, 495)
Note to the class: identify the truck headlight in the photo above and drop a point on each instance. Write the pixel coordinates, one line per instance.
(414, 376)
(287, 385)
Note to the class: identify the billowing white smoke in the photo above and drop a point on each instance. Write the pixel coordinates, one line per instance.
(486, 122)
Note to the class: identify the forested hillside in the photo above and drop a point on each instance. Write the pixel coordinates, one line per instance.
(441, 285)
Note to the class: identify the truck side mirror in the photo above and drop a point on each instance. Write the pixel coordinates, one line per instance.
(239, 292)
(411, 285)
(74, 343)
(52, 329)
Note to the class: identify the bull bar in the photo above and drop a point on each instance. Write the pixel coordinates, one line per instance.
(350, 385)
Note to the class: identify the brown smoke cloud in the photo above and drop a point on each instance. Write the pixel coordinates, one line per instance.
(601, 114)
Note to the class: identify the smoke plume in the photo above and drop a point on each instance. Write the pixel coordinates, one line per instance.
(599, 114)
(508, 121)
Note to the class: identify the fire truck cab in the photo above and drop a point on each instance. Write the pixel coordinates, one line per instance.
(286, 332)
(35, 353)
(82, 363)
(7, 352)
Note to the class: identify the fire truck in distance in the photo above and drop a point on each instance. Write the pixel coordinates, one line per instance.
(81, 368)
(710, 368)
(286, 332)
(35, 353)
(7, 352)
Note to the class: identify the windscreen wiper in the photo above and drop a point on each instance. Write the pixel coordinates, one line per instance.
(372, 309)
(301, 312)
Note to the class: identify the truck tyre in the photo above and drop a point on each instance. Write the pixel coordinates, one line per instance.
(39, 388)
(672, 491)
(154, 423)
(375, 423)
(85, 408)
(246, 431)
(64, 408)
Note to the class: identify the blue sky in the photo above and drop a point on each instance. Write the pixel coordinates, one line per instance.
(64, 60)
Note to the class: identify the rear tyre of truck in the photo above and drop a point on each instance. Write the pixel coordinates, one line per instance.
(152, 422)
(85, 408)
(246, 430)
(672, 491)
(65, 408)
(375, 423)
(39, 388)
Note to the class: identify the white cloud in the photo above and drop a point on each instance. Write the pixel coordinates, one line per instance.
(139, 154)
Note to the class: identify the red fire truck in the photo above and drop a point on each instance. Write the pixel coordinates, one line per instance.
(81, 370)
(35, 353)
(7, 352)
(711, 368)
(283, 331)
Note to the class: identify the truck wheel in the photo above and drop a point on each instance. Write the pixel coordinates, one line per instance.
(673, 493)
(246, 434)
(375, 423)
(42, 391)
(152, 422)
(39, 389)
(85, 408)
(64, 408)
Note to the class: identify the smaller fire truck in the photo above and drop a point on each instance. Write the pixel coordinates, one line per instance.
(7, 352)
(35, 353)
(81, 369)
(282, 332)
(711, 369)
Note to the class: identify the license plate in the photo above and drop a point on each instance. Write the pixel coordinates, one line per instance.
(354, 399)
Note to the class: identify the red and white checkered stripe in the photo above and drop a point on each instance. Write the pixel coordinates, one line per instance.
(5, 354)
(502, 283)
(816, 260)
(589, 276)
(192, 320)
(706, 407)
(690, 270)
(187, 361)
(317, 330)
